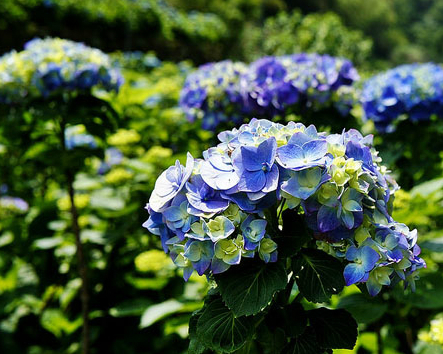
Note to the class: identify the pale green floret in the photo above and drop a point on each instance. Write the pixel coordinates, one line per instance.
(337, 150)
(197, 232)
(267, 246)
(309, 178)
(361, 234)
(219, 228)
(291, 202)
(328, 194)
(229, 251)
(234, 214)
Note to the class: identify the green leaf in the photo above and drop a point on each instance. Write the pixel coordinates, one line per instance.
(334, 329)
(133, 307)
(363, 308)
(318, 275)
(434, 245)
(304, 344)
(220, 330)
(271, 339)
(55, 321)
(157, 312)
(195, 345)
(428, 294)
(248, 288)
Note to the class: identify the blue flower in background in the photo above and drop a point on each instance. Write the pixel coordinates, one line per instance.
(414, 90)
(76, 136)
(53, 65)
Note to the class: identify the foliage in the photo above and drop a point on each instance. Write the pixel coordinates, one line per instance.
(289, 33)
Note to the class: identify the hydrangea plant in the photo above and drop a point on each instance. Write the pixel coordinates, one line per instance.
(271, 86)
(274, 84)
(272, 205)
(412, 90)
(212, 94)
(53, 64)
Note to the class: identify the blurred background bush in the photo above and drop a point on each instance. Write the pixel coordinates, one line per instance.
(139, 302)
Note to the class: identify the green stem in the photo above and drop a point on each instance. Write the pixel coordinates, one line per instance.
(81, 260)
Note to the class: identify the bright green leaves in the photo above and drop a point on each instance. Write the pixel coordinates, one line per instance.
(318, 275)
(250, 287)
(334, 329)
(218, 329)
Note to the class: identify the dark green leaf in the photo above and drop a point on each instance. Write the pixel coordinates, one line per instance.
(318, 275)
(195, 345)
(363, 308)
(248, 288)
(304, 344)
(272, 340)
(335, 329)
(220, 330)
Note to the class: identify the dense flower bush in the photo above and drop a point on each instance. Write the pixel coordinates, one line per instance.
(213, 212)
(274, 84)
(414, 90)
(51, 64)
(270, 86)
(212, 93)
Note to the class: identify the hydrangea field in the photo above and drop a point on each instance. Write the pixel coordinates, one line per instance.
(288, 201)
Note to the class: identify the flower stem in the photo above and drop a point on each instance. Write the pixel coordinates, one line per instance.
(81, 260)
(82, 266)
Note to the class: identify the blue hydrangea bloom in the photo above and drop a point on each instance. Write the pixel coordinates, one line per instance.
(413, 90)
(51, 65)
(212, 94)
(216, 211)
(230, 92)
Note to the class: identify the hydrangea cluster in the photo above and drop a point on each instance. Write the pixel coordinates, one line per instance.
(12, 205)
(76, 136)
(226, 91)
(274, 84)
(414, 90)
(51, 64)
(210, 213)
(212, 93)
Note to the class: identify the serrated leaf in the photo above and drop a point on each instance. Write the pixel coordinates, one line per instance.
(304, 344)
(220, 330)
(334, 329)
(362, 308)
(248, 288)
(318, 275)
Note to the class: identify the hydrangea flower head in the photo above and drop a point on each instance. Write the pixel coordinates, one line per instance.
(220, 206)
(230, 92)
(414, 90)
(212, 93)
(53, 64)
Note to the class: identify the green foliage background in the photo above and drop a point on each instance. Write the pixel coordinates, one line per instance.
(140, 304)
